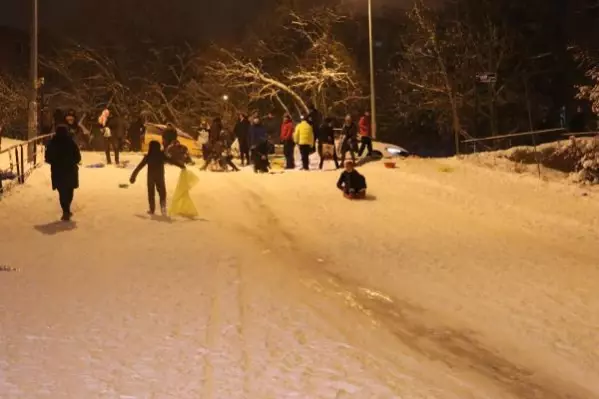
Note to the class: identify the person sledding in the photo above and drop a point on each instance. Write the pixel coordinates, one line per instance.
(155, 160)
(351, 182)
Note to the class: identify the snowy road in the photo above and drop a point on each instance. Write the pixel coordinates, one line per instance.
(466, 283)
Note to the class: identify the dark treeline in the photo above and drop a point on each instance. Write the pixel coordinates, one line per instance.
(291, 53)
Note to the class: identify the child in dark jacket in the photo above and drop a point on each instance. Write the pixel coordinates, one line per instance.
(352, 183)
(155, 160)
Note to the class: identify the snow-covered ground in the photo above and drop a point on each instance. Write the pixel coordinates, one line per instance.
(451, 281)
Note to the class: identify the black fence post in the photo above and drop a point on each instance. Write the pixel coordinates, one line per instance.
(35, 153)
(22, 166)
(18, 164)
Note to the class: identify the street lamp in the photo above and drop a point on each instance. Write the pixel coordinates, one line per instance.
(33, 81)
(372, 86)
(225, 98)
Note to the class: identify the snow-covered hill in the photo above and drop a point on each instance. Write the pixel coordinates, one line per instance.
(452, 281)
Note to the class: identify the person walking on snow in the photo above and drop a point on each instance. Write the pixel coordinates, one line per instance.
(327, 138)
(288, 143)
(118, 131)
(365, 134)
(349, 139)
(155, 160)
(304, 137)
(63, 155)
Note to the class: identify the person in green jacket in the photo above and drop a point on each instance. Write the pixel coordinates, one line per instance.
(304, 138)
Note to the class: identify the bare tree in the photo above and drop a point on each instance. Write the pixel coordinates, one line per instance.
(87, 79)
(13, 100)
(590, 92)
(443, 51)
(302, 62)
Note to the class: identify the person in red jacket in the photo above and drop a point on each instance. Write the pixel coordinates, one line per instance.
(287, 130)
(365, 134)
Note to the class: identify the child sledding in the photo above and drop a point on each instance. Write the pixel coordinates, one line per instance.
(351, 182)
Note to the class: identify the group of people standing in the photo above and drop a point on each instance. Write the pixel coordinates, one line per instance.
(311, 134)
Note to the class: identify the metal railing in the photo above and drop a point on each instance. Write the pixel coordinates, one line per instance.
(533, 134)
(21, 163)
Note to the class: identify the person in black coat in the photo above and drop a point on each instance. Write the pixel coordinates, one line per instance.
(351, 182)
(63, 155)
(75, 130)
(349, 139)
(215, 130)
(169, 135)
(242, 133)
(136, 133)
(326, 135)
(155, 160)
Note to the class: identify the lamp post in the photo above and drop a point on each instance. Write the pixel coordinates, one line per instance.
(33, 80)
(372, 85)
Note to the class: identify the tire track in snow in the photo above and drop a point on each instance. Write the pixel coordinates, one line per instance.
(242, 299)
(227, 358)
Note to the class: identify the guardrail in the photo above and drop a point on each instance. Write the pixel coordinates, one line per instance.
(19, 167)
(533, 134)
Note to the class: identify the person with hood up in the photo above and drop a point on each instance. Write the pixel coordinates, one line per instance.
(287, 131)
(365, 134)
(304, 137)
(63, 155)
(74, 129)
(241, 131)
(155, 160)
(349, 139)
(259, 146)
(351, 182)
(326, 139)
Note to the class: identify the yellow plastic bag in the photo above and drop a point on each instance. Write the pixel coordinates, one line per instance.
(181, 204)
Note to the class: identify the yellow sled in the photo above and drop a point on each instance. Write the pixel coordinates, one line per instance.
(181, 204)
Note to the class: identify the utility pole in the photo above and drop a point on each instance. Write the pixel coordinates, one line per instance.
(372, 85)
(33, 59)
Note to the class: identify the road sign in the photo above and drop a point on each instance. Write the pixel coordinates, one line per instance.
(486, 77)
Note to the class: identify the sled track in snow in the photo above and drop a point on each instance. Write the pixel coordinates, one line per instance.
(410, 324)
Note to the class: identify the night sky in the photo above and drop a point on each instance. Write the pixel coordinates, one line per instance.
(211, 15)
(53, 13)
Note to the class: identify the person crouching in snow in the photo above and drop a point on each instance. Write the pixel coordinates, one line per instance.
(351, 182)
(155, 160)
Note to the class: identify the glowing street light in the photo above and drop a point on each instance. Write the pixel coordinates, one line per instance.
(225, 98)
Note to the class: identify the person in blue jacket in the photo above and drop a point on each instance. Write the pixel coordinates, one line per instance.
(259, 146)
